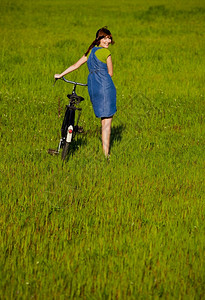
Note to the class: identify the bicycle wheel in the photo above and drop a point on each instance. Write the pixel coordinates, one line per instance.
(67, 130)
(65, 150)
(68, 140)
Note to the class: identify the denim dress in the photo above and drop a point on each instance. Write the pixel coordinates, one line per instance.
(101, 88)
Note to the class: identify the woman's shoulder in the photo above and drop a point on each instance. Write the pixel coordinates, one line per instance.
(103, 50)
(102, 54)
(94, 49)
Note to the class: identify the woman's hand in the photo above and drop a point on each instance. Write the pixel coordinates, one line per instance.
(57, 76)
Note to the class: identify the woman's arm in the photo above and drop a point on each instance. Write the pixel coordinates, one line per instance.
(72, 68)
(109, 66)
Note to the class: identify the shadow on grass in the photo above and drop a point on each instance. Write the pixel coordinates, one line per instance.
(75, 145)
(116, 134)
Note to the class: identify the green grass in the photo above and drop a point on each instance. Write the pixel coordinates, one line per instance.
(132, 228)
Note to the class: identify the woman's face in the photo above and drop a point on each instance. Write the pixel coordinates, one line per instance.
(105, 42)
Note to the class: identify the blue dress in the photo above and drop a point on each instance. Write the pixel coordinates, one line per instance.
(100, 87)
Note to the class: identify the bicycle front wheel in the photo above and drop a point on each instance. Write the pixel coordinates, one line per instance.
(65, 150)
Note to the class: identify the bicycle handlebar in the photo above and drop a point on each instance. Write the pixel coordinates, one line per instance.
(73, 82)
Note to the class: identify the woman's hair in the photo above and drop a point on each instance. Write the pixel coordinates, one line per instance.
(100, 34)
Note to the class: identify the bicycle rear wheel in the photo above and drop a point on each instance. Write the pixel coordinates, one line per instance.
(67, 130)
(65, 150)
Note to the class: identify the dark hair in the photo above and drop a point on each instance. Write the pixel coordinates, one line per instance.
(100, 34)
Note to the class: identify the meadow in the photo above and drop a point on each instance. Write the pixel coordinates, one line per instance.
(130, 228)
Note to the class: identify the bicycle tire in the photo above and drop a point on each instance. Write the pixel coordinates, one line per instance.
(65, 150)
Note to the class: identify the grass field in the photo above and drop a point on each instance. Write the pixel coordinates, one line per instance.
(132, 228)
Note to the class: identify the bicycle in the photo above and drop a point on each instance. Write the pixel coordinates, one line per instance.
(69, 127)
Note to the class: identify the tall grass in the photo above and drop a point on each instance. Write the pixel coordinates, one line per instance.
(132, 228)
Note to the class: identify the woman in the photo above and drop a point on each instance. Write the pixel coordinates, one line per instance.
(100, 85)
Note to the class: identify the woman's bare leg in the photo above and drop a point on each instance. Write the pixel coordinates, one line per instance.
(106, 131)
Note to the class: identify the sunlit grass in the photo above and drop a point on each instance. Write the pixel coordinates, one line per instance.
(87, 229)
